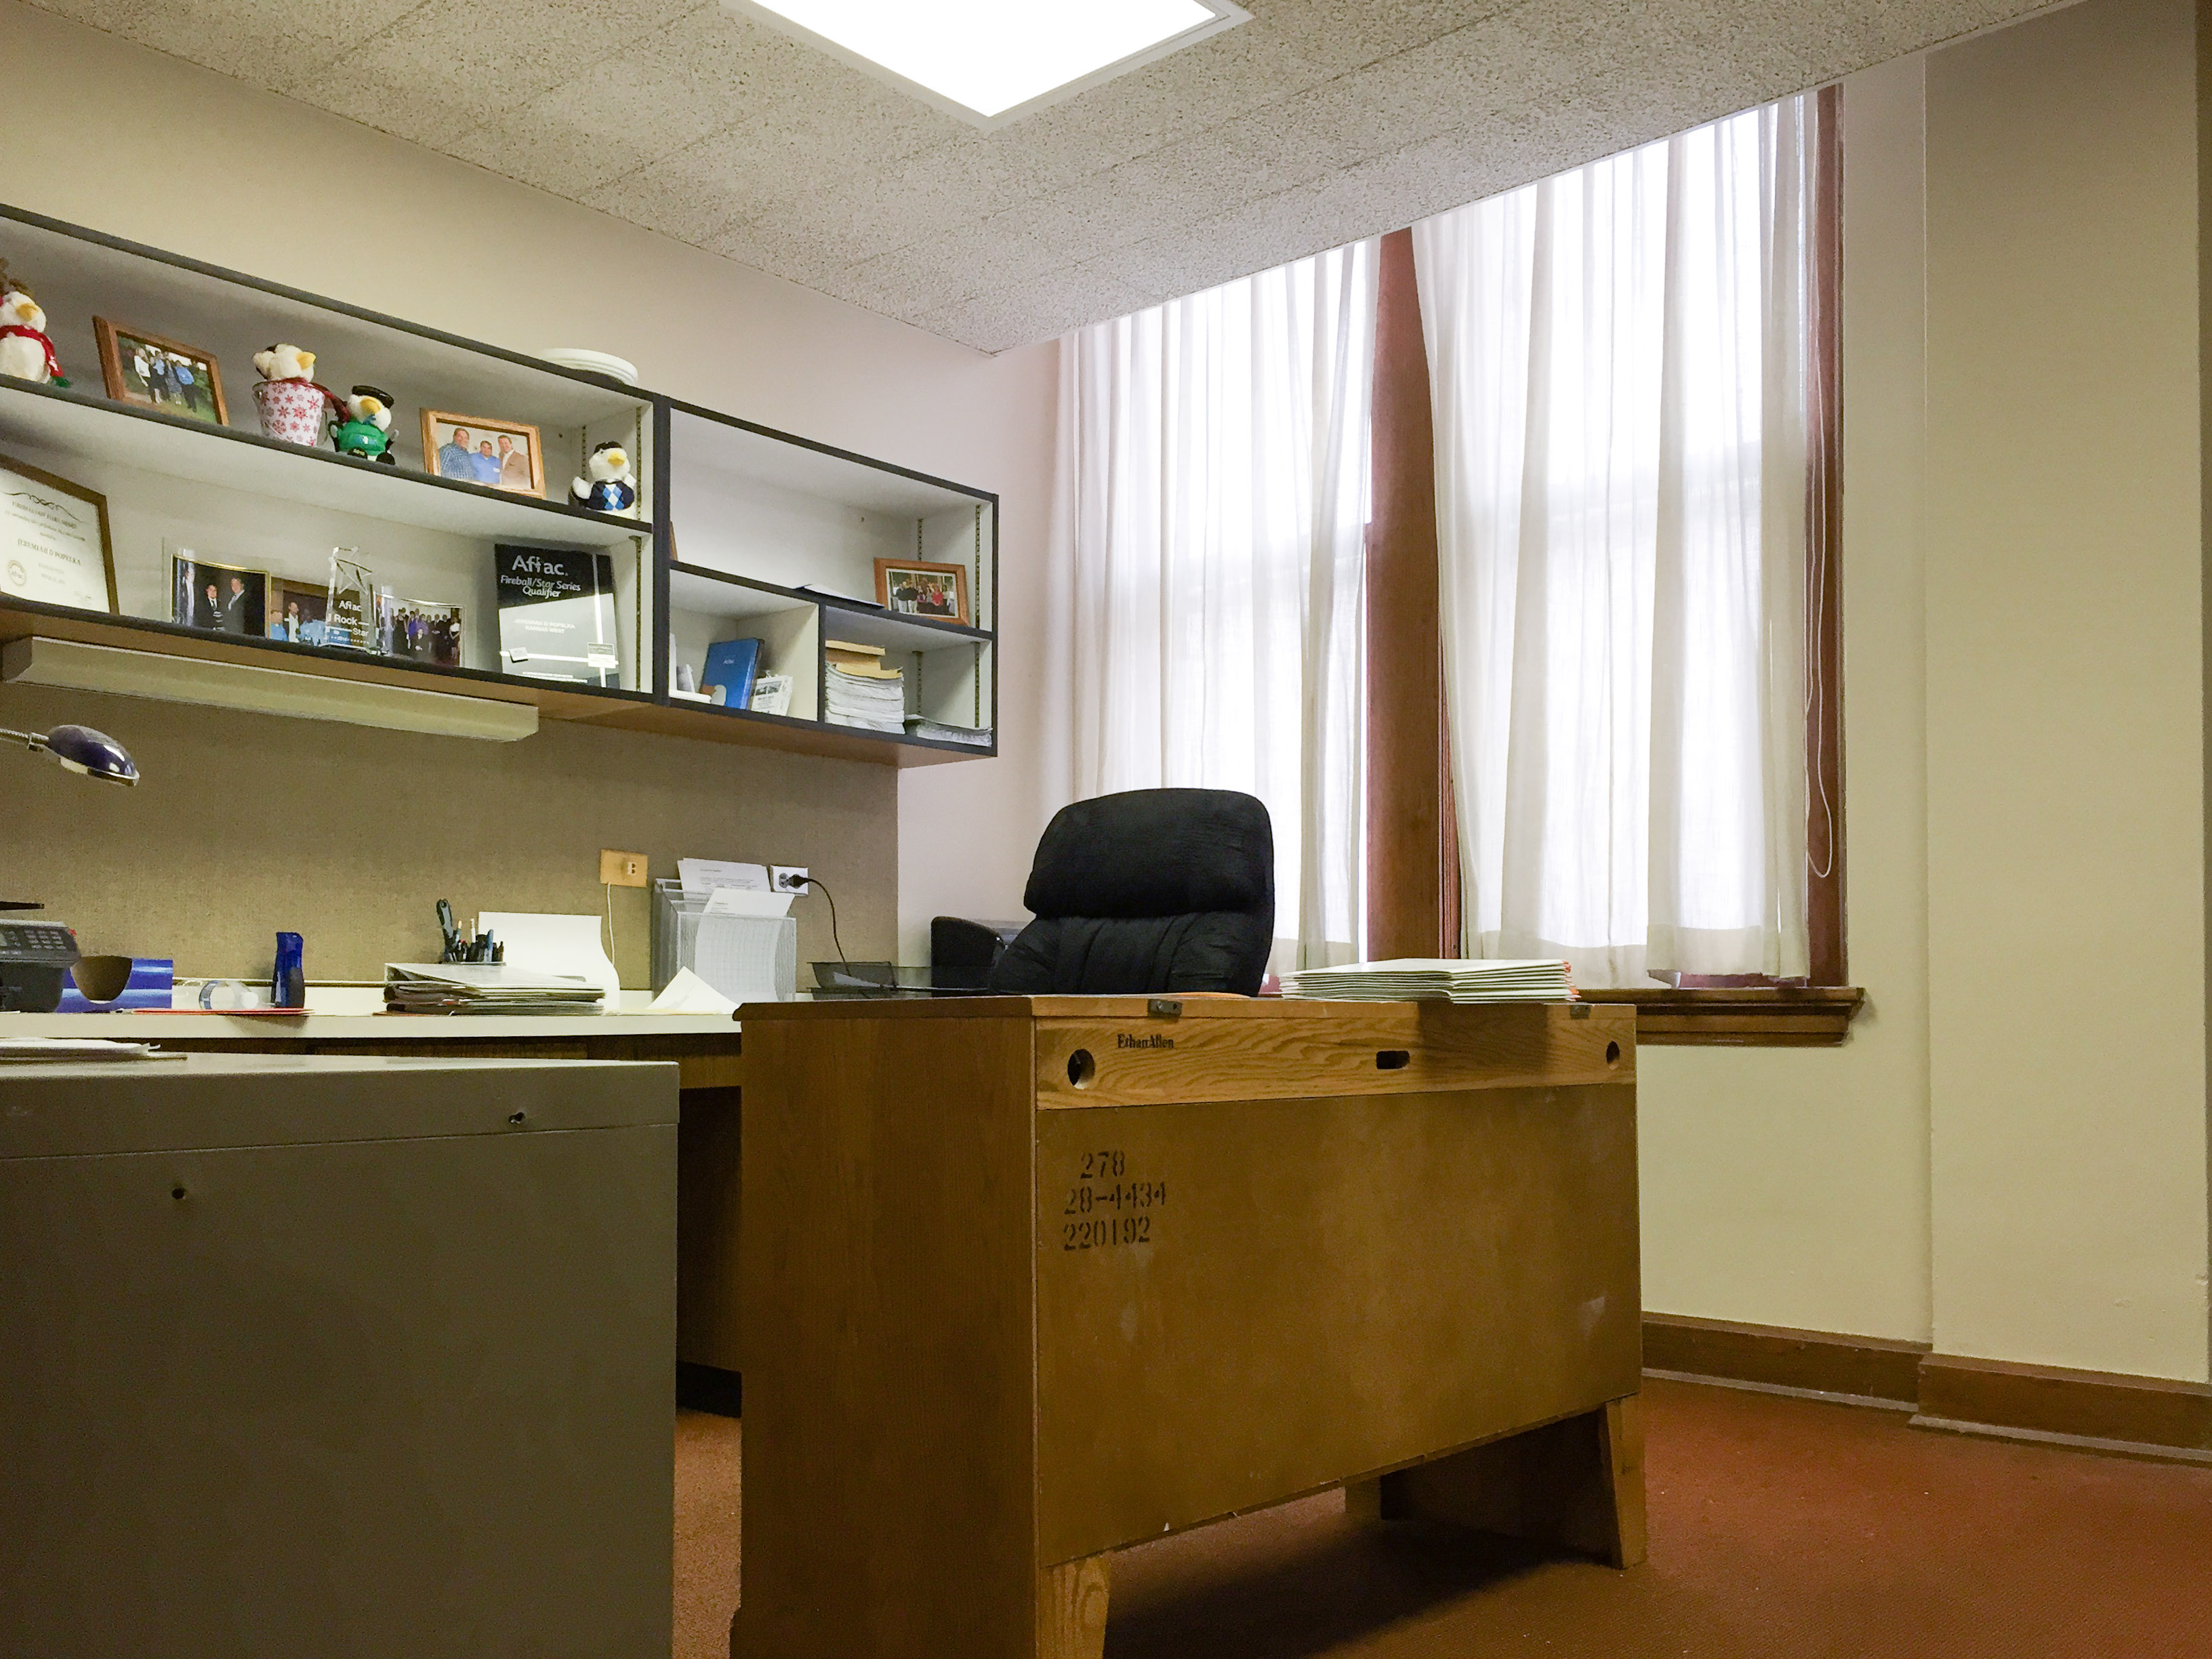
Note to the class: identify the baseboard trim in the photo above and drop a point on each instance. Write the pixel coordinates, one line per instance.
(2140, 1452)
(2100, 1406)
(1815, 1362)
(2104, 1412)
(1866, 1402)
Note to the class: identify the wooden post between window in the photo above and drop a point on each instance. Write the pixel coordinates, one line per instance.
(1406, 767)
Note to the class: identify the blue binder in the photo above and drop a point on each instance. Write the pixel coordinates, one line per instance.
(730, 665)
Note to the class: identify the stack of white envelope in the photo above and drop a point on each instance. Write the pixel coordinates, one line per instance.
(1424, 979)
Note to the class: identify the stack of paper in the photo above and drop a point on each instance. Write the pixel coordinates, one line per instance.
(1433, 979)
(469, 987)
(864, 700)
(919, 726)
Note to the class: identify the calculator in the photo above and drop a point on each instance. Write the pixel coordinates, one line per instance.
(33, 958)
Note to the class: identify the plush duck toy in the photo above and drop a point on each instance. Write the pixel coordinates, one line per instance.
(26, 353)
(367, 429)
(285, 362)
(608, 484)
(291, 400)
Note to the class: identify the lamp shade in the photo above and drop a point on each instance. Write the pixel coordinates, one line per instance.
(94, 753)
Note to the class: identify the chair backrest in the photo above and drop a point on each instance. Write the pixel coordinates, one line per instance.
(1150, 891)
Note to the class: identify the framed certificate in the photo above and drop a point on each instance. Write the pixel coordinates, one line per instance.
(54, 545)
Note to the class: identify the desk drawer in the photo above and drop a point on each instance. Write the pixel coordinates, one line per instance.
(1302, 1049)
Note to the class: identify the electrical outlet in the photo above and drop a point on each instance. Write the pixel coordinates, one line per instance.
(621, 869)
(787, 878)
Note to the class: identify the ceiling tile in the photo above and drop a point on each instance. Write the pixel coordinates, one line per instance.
(614, 119)
(449, 66)
(1316, 123)
(275, 44)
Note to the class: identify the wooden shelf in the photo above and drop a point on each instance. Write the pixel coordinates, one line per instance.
(77, 425)
(630, 711)
(683, 719)
(896, 633)
(724, 593)
(794, 502)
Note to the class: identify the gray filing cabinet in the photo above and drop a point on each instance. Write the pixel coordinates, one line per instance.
(312, 1358)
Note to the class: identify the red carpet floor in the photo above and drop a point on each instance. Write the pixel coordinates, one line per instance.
(1781, 1529)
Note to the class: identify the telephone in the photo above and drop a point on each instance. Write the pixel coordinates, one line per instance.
(34, 956)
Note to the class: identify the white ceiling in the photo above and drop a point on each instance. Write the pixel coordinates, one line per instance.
(1315, 123)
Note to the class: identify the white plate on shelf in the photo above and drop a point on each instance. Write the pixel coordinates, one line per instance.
(592, 362)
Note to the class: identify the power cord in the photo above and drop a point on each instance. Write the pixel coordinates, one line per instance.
(842, 961)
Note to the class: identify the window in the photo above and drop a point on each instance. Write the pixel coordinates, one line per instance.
(1631, 370)
(1208, 567)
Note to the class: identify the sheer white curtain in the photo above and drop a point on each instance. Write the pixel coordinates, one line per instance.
(1618, 359)
(1206, 566)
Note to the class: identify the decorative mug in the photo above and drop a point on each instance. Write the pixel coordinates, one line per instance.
(291, 410)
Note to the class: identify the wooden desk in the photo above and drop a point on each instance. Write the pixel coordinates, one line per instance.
(1029, 1280)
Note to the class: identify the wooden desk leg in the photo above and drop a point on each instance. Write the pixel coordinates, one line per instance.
(1071, 1610)
(1578, 1483)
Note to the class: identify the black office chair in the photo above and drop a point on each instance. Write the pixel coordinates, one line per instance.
(1146, 893)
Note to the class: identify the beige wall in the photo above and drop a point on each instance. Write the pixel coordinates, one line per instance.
(1789, 1187)
(104, 134)
(2065, 693)
(2008, 1159)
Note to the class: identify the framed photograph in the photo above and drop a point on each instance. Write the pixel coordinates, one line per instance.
(54, 544)
(154, 372)
(220, 598)
(502, 454)
(297, 610)
(418, 630)
(914, 588)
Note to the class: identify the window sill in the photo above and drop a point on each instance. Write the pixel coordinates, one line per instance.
(1741, 1017)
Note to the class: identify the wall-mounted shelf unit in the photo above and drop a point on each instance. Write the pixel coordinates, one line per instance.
(741, 532)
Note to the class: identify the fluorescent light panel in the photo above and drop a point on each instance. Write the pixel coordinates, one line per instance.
(993, 61)
(80, 667)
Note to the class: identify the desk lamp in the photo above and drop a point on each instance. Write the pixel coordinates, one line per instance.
(87, 753)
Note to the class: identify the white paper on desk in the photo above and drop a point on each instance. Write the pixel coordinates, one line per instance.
(555, 945)
(710, 875)
(687, 993)
(748, 958)
(742, 901)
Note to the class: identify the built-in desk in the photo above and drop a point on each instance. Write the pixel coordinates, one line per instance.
(704, 1050)
(1029, 1281)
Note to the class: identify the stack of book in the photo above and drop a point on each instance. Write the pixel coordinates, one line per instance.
(1422, 979)
(858, 691)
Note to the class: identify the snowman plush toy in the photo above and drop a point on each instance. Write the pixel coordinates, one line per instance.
(366, 431)
(608, 484)
(26, 353)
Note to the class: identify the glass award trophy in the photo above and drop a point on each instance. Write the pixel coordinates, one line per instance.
(350, 619)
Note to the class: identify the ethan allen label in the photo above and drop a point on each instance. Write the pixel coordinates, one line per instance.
(1123, 1040)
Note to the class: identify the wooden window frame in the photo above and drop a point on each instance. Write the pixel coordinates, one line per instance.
(1412, 861)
